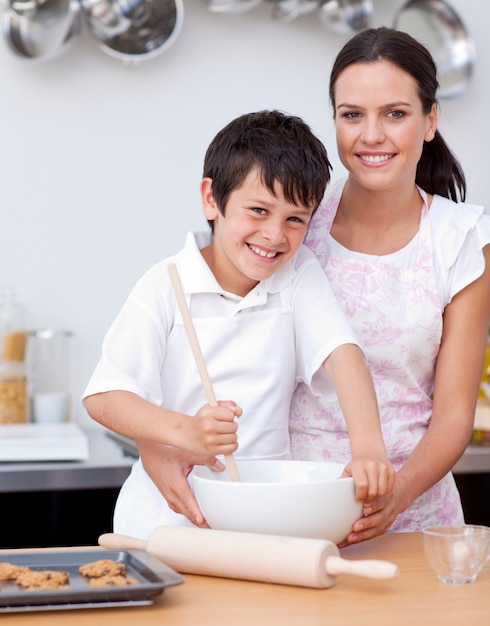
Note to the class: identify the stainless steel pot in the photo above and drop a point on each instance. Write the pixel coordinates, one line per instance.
(346, 17)
(436, 24)
(231, 7)
(133, 30)
(288, 10)
(41, 29)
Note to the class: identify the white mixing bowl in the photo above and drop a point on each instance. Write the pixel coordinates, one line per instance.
(295, 498)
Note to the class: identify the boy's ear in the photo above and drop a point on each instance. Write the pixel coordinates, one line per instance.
(209, 206)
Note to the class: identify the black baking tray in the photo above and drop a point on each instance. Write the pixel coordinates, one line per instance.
(151, 573)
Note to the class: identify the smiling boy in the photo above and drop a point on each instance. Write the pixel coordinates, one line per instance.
(264, 315)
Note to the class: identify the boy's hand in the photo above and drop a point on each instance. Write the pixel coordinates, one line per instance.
(213, 430)
(373, 477)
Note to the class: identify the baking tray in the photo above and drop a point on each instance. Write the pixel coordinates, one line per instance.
(152, 575)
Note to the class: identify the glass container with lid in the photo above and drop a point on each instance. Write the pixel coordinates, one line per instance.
(49, 358)
(14, 405)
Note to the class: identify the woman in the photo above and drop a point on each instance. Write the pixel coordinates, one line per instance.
(411, 268)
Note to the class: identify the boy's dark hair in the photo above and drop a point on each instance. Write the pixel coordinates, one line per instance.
(281, 146)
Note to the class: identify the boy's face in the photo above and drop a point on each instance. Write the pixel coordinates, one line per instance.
(258, 234)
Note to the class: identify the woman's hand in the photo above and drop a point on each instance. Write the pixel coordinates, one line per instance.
(168, 468)
(378, 515)
(377, 518)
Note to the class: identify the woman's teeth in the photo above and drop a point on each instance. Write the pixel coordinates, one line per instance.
(377, 158)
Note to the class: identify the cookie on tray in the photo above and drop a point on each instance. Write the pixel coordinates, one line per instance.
(9, 571)
(102, 567)
(43, 579)
(112, 581)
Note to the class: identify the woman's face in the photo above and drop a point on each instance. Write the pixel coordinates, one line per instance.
(380, 124)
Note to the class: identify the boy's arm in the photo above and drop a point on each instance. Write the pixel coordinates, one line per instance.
(211, 431)
(372, 472)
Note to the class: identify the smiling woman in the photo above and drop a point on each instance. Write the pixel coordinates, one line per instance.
(410, 266)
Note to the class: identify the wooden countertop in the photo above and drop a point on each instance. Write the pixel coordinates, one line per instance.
(415, 598)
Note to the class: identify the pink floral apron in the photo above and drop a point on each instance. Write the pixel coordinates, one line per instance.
(395, 309)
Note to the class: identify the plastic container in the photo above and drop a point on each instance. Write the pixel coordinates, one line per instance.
(14, 393)
(49, 356)
(14, 396)
(13, 334)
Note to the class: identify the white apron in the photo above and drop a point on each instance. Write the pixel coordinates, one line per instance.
(265, 399)
(396, 313)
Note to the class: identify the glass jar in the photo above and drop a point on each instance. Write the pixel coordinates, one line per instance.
(49, 360)
(13, 334)
(14, 398)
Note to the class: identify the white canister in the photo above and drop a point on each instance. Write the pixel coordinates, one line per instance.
(49, 357)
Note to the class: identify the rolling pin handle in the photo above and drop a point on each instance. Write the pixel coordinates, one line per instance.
(113, 541)
(368, 568)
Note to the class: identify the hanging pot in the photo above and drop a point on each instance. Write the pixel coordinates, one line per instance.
(288, 10)
(133, 30)
(435, 24)
(346, 17)
(231, 7)
(41, 29)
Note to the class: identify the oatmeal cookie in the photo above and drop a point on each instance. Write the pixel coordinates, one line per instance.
(43, 579)
(102, 567)
(112, 581)
(8, 571)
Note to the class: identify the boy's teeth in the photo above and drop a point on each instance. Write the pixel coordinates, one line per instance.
(268, 255)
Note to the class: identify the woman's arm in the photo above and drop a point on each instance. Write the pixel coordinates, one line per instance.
(456, 384)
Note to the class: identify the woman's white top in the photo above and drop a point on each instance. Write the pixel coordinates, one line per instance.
(395, 303)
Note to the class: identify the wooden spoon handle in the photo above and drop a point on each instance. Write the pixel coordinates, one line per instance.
(198, 356)
(368, 568)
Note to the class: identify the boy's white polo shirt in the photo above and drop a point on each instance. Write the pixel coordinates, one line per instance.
(256, 349)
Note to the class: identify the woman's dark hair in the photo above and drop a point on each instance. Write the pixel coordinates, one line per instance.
(438, 171)
(281, 146)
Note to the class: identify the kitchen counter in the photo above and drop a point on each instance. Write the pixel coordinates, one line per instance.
(476, 457)
(75, 499)
(108, 466)
(415, 597)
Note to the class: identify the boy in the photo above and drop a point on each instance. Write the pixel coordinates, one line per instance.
(264, 315)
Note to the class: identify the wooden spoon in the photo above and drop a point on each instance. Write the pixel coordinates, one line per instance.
(198, 357)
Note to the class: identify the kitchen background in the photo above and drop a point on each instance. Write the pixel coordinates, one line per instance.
(100, 161)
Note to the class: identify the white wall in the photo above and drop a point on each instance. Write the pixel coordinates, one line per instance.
(100, 163)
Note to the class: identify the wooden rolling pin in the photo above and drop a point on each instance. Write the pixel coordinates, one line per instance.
(250, 556)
